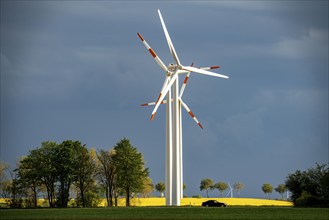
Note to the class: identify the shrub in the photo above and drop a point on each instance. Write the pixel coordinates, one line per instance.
(197, 196)
(307, 200)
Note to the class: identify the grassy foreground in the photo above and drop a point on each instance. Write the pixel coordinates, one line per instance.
(254, 213)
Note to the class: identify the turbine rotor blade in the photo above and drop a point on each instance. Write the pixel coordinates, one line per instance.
(184, 83)
(190, 113)
(163, 87)
(164, 93)
(154, 55)
(153, 103)
(205, 72)
(209, 67)
(170, 44)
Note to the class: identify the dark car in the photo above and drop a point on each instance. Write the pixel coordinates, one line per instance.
(213, 203)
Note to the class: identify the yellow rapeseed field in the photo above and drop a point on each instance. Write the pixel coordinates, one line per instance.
(199, 201)
(185, 202)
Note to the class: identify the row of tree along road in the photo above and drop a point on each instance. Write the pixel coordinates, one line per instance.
(69, 170)
(208, 184)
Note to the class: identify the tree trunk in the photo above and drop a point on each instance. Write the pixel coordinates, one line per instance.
(111, 195)
(35, 201)
(127, 197)
(50, 193)
(116, 199)
(83, 198)
(107, 195)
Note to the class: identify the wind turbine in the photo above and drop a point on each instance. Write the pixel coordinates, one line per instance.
(231, 191)
(174, 178)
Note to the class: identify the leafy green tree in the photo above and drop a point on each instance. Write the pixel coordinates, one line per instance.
(238, 187)
(3, 169)
(221, 186)
(65, 162)
(281, 188)
(130, 168)
(160, 187)
(184, 187)
(296, 184)
(29, 178)
(106, 173)
(41, 162)
(148, 187)
(267, 189)
(16, 191)
(4, 181)
(311, 186)
(92, 196)
(207, 185)
(84, 171)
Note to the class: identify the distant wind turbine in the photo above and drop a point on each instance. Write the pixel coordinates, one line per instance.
(230, 191)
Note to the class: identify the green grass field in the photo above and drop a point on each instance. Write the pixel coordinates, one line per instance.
(263, 213)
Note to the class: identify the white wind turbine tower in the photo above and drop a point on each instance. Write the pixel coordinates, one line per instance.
(231, 191)
(174, 178)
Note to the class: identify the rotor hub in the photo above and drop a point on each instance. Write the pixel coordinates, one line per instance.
(172, 67)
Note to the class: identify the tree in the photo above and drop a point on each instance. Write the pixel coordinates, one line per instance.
(160, 187)
(130, 168)
(16, 191)
(29, 178)
(65, 162)
(267, 189)
(42, 166)
(221, 186)
(4, 181)
(148, 187)
(207, 185)
(281, 188)
(238, 187)
(184, 187)
(84, 169)
(106, 172)
(311, 187)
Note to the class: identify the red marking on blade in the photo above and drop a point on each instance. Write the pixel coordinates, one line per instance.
(158, 98)
(214, 67)
(185, 80)
(144, 104)
(140, 36)
(152, 52)
(191, 113)
(152, 117)
(200, 125)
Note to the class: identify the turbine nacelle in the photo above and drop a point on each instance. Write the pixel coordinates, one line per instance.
(172, 67)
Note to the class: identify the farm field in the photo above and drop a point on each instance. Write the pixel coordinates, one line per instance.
(254, 213)
(198, 202)
(184, 202)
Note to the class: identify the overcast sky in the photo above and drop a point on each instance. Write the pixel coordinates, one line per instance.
(78, 71)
